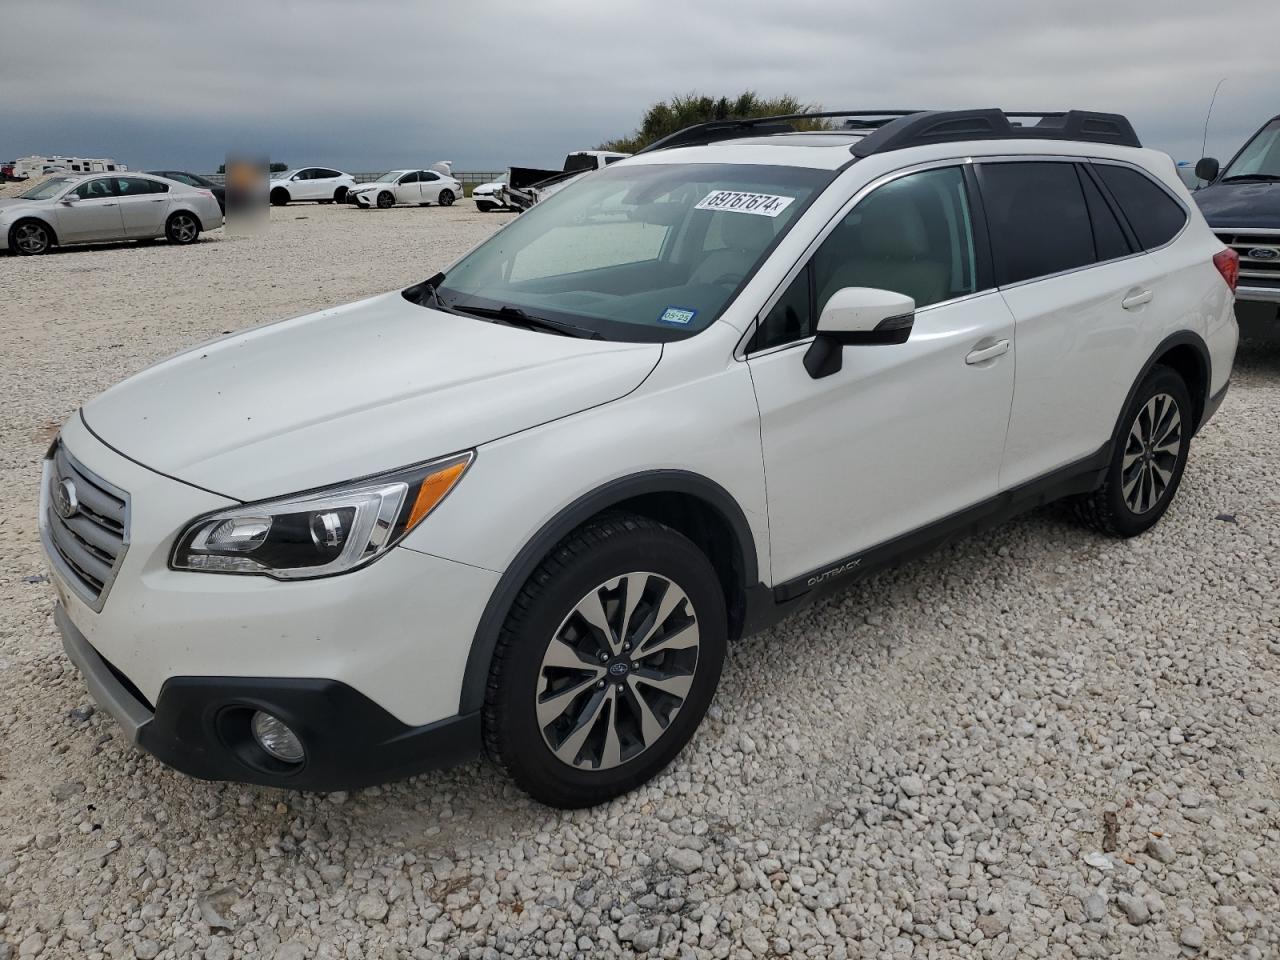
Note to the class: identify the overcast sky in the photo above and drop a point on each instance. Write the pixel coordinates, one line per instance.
(388, 83)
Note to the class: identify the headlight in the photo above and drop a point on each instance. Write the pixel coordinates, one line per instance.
(320, 533)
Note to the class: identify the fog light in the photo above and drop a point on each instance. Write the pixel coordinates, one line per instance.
(275, 737)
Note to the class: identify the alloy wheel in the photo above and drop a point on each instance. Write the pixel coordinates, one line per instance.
(31, 238)
(184, 229)
(1151, 453)
(617, 671)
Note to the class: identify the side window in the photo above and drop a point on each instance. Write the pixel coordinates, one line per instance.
(609, 160)
(1038, 219)
(1109, 240)
(1154, 216)
(94, 189)
(426, 176)
(304, 175)
(409, 178)
(913, 235)
(325, 174)
(133, 186)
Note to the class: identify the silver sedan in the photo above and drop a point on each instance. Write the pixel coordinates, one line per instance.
(97, 207)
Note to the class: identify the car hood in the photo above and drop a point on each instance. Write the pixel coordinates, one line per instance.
(8, 202)
(353, 391)
(1240, 204)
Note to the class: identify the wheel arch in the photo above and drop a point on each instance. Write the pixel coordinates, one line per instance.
(53, 231)
(184, 209)
(1187, 354)
(690, 503)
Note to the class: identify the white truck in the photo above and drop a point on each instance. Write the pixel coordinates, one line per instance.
(526, 186)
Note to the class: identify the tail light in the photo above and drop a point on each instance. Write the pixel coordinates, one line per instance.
(1228, 264)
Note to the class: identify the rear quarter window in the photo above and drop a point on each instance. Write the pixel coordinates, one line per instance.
(1154, 216)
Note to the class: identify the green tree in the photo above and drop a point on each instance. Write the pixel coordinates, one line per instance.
(668, 116)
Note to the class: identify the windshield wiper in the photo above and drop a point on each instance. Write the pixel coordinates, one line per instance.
(515, 317)
(1259, 177)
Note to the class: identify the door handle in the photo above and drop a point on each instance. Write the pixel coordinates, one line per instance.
(1135, 300)
(159, 199)
(980, 354)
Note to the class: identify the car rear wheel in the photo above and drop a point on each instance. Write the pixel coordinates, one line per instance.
(182, 228)
(607, 662)
(446, 198)
(279, 197)
(340, 195)
(385, 200)
(28, 238)
(1147, 458)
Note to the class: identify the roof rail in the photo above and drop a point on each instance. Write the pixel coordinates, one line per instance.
(899, 129)
(713, 131)
(949, 126)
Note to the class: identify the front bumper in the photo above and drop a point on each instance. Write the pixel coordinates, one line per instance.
(363, 199)
(200, 726)
(370, 662)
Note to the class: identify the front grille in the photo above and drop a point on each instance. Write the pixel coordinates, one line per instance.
(1248, 244)
(88, 542)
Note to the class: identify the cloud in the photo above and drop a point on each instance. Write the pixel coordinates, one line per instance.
(386, 83)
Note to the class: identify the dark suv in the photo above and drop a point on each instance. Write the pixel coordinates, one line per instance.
(1242, 205)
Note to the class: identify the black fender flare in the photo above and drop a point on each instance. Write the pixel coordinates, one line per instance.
(1181, 338)
(476, 676)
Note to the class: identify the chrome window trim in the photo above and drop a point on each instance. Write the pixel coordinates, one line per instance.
(69, 577)
(740, 350)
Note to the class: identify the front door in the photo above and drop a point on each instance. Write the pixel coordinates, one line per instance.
(94, 216)
(408, 189)
(903, 435)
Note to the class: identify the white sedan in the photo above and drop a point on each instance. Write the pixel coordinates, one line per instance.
(406, 186)
(321, 184)
(488, 196)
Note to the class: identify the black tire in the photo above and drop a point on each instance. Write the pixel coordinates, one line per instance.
(340, 195)
(484, 207)
(280, 197)
(609, 547)
(1134, 497)
(445, 199)
(30, 238)
(182, 228)
(386, 200)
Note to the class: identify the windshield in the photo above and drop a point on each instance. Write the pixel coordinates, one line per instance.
(50, 188)
(391, 175)
(1260, 157)
(649, 252)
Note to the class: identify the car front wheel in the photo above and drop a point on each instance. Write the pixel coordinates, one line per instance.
(1147, 458)
(29, 238)
(607, 662)
(385, 200)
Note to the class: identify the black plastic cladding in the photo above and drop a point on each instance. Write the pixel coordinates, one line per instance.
(899, 129)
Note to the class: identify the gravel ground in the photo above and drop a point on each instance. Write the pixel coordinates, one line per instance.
(1035, 743)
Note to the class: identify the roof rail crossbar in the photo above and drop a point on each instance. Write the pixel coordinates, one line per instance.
(714, 131)
(949, 126)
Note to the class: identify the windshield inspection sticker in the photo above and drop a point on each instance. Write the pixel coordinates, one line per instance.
(678, 315)
(761, 204)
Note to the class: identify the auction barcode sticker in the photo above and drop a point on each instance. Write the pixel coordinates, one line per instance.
(761, 204)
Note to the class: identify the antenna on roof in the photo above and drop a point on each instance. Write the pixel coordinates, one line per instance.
(1212, 100)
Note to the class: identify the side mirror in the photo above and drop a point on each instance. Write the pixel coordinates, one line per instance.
(1207, 169)
(858, 316)
(70, 198)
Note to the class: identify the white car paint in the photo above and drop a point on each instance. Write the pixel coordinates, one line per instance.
(321, 184)
(905, 436)
(405, 186)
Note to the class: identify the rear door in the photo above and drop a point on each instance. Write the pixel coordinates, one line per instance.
(94, 216)
(144, 205)
(1067, 268)
(431, 185)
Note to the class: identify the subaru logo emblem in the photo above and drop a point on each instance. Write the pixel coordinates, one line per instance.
(65, 500)
(1263, 253)
(618, 669)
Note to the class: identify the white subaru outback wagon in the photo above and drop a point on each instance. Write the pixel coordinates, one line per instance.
(521, 508)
